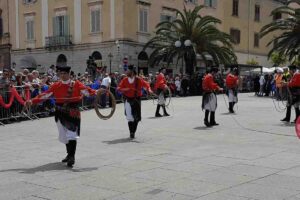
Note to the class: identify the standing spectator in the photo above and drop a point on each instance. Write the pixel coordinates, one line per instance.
(51, 71)
(178, 86)
(278, 83)
(256, 85)
(105, 84)
(184, 85)
(261, 84)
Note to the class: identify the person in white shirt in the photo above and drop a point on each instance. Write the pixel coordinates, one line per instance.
(178, 85)
(105, 84)
(262, 83)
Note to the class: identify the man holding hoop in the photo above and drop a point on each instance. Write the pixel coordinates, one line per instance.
(232, 82)
(131, 87)
(209, 100)
(68, 96)
(161, 87)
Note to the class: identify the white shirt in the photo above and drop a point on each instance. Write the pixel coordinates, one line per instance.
(262, 80)
(106, 81)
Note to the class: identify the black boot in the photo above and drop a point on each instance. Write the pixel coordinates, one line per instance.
(135, 124)
(231, 107)
(288, 114)
(157, 111)
(71, 161)
(165, 111)
(297, 113)
(206, 119)
(68, 153)
(131, 129)
(212, 119)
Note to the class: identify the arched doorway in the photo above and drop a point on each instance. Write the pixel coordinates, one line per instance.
(61, 60)
(28, 62)
(143, 63)
(97, 57)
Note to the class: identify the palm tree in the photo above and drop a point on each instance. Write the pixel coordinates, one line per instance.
(193, 35)
(287, 44)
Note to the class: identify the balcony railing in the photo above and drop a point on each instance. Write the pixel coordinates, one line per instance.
(59, 41)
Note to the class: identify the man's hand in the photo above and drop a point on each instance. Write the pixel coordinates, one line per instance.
(28, 103)
(221, 89)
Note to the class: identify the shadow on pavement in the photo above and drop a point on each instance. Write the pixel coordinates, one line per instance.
(202, 128)
(228, 113)
(48, 167)
(122, 140)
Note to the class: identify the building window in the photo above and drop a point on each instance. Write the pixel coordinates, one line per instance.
(210, 3)
(165, 17)
(191, 1)
(95, 21)
(143, 20)
(257, 13)
(61, 25)
(277, 16)
(236, 35)
(29, 1)
(256, 39)
(235, 7)
(29, 29)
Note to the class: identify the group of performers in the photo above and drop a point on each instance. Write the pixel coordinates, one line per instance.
(210, 87)
(68, 95)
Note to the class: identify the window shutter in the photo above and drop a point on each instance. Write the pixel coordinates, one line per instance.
(97, 20)
(92, 21)
(141, 20)
(214, 3)
(145, 21)
(54, 26)
(66, 25)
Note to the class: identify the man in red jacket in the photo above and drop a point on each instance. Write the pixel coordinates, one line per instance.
(294, 88)
(160, 87)
(131, 87)
(209, 100)
(68, 96)
(232, 82)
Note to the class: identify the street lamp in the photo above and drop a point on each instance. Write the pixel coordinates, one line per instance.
(110, 57)
(186, 44)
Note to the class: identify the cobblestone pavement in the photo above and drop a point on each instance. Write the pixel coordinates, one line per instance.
(251, 155)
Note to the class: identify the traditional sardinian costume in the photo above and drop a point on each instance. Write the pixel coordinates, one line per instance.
(209, 100)
(133, 100)
(160, 85)
(294, 87)
(232, 85)
(68, 96)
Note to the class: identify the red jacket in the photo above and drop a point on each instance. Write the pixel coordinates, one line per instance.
(135, 88)
(231, 81)
(59, 91)
(295, 80)
(160, 81)
(208, 84)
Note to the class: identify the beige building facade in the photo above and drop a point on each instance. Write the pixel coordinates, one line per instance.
(68, 32)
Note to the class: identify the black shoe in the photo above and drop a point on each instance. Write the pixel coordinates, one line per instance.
(207, 124)
(166, 114)
(285, 120)
(158, 115)
(214, 124)
(132, 135)
(71, 162)
(66, 159)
